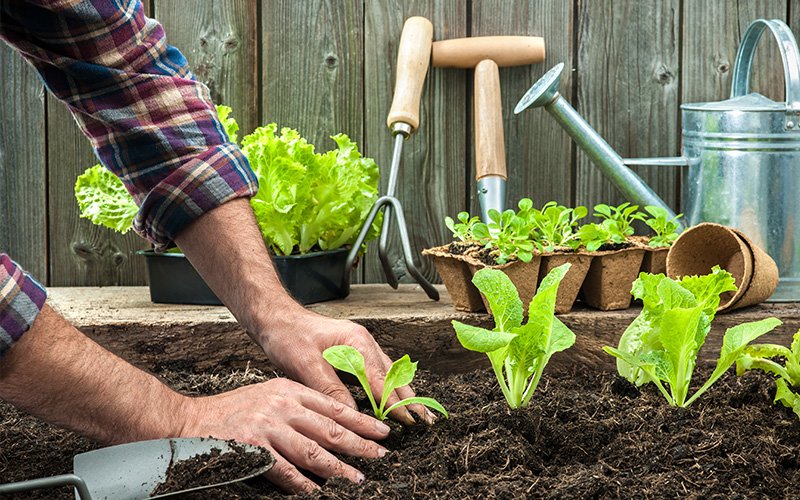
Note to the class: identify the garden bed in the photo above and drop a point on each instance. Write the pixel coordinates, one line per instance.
(586, 434)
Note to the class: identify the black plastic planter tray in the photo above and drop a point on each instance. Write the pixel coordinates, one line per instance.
(310, 278)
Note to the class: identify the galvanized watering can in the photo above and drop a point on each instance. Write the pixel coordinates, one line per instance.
(742, 156)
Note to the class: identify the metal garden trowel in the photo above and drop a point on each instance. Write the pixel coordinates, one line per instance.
(132, 471)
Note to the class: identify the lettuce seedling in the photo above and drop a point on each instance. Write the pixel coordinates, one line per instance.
(508, 234)
(661, 344)
(555, 226)
(347, 359)
(622, 216)
(787, 382)
(462, 230)
(518, 352)
(593, 236)
(666, 229)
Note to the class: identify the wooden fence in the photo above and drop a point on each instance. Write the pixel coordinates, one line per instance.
(327, 66)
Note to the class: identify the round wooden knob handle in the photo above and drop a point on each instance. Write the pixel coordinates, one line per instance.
(413, 59)
(504, 50)
(490, 154)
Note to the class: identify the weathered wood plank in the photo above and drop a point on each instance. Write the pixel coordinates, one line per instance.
(402, 322)
(80, 252)
(628, 57)
(711, 34)
(538, 152)
(23, 207)
(219, 41)
(432, 180)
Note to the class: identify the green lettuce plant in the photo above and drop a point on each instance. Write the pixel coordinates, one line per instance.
(518, 352)
(349, 360)
(508, 234)
(665, 228)
(462, 230)
(306, 201)
(787, 375)
(593, 236)
(556, 226)
(660, 346)
(621, 217)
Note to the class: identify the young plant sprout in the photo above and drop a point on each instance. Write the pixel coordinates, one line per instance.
(518, 352)
(787, 375)
(555, 226)
(593, 236)
(660, 346)
(462, 230)
(510, 235)
(347, 359)
(622, 216)
(666, 229)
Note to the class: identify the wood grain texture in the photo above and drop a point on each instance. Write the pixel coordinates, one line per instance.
(23, 205)
(402, 322)
(432, 172)
(538, 152)
(81, 253)
(711, 34)
(219, 41)
(628, 76)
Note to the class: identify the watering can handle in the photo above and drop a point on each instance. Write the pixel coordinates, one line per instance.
(791, 63)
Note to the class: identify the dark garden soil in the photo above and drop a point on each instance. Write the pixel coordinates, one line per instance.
(462, 247)
(585, 435)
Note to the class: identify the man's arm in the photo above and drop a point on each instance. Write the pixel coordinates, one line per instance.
(58, 374)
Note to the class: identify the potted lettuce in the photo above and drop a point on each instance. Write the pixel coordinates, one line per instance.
(310, 207)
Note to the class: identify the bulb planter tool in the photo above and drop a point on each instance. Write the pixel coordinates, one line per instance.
(741, 156)
(413, 59)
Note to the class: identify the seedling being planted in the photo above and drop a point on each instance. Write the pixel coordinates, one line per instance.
(660, 346)
(347, 359)
(518, 352)
(787, 381)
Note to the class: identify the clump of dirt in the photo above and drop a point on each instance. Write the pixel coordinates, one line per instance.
(585, 435)
(214, 467)
(485, 255)
(463, 247)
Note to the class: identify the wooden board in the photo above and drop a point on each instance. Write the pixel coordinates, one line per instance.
(628, 90)
(23, 207)
(219, 41)
(432, 178)
(402, 322)
(538, 152)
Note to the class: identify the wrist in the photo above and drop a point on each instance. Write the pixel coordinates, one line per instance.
(277, 318)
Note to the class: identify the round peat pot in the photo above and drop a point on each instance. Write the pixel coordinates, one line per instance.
(309, 278)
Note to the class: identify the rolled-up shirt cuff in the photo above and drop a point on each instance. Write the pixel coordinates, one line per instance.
(21, 300)
(208, 180)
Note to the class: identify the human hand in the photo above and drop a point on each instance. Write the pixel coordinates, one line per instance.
(295, 342)
(296, 424)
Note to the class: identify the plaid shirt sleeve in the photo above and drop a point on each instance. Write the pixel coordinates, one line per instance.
(21, 299)
(134, 97)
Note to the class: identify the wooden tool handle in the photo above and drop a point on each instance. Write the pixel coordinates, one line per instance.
(413, 58)
(504, 50)
(490, 154)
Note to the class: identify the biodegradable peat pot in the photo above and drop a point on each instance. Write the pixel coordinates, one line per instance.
(524, 275)
(457, 278)
(655, 260)
(608, 283)
(706, 245)
(309, 278)
(571, 284)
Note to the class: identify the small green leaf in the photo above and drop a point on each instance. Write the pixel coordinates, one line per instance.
(480, 339)
(502, 296)
(400, 374)
(429, 402)
(349, 360)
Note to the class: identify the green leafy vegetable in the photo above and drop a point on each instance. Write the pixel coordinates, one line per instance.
(593, 236)
(518, 353)
(621, 217)
(555, 226)
(463, 230)
(308, 200)
(666, 229)
(347, 359)
(228, 123)
(660, 346)
(787, 376)
(103, 199)
(509, 235)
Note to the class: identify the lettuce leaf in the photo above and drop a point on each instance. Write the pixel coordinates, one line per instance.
(228, 123)
(103, 199)
(306, 200)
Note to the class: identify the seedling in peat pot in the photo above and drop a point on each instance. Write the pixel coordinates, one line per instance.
(787, 382)
(621, 216)
(518, 352)
(347, 359)
(462, 230)
(666, 229)
(556, 226)
(508, 234)
(661, 344)
(593, 236)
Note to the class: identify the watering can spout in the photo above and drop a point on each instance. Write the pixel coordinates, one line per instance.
(544, 93)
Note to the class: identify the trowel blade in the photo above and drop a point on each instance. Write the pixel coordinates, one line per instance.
(132, 471)
(491, 195)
